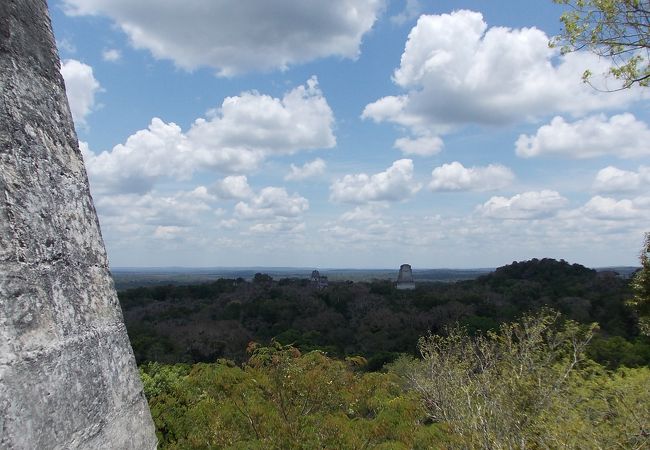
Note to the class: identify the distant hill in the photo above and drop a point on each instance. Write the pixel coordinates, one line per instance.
(624, 271)
(131, 277)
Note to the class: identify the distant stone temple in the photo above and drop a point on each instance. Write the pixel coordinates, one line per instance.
(318, 281)
(405, 278)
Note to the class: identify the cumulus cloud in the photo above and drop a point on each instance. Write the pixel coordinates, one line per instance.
(365, 213)
(81, 88)
(394, 184)
(300, 120)
(193, 217)
(233, 187)
(308, 170)
(456, 177)
(560, 233)
(111, 55)
(227, 223)
(201, 194)
(621, 135)
(272, 202)
(422, 146)
(613, 179)
(456, 71)
(605, 208)
(351, 236)
(128, 213)
(529, 205)
(168, 232)
(235, 138)
(280, 226)
(237, 36)
(162, 150)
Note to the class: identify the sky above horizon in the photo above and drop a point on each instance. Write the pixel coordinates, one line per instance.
(350, 133)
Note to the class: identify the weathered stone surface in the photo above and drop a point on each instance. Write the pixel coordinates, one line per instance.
(68, 378)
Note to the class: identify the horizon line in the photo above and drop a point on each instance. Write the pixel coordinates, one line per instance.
(307, 268)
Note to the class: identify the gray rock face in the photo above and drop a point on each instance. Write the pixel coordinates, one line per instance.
(68, 378)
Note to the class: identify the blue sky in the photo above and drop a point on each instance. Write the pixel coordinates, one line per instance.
(350, 133)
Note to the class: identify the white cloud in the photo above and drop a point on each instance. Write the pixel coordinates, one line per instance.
(562, 233)
(273, 211)
(201, 194)
(458, 71)
(422, 146)
(168, 232)
(365, 213)
(111, 55)
(301, 120)
(236, 138)
(613, 179)
(605, 208)
(227, 223)
(529, 205)
(237, 36)
(129, 213)
(194, 216)
(272, 202)
(621, 135)
(455, 177)
(162, 150)
(234, 187)
(308, 170)
(359, 237)
(81, 88)
(394, 184)
(285, 227)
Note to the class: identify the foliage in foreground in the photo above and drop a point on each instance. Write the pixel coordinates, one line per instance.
(282, 399)
(528, 385)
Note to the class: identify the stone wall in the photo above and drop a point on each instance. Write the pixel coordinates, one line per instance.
(68, 378)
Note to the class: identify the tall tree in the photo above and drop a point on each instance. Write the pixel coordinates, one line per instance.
(641, 288)
(615, 29)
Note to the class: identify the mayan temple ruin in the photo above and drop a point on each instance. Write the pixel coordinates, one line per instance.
(405, 278)
(68, 378)
(319, 281)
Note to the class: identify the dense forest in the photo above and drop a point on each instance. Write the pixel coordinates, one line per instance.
(537, 354)
(201, 323)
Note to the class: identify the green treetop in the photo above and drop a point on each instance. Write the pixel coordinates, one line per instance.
(613, 29)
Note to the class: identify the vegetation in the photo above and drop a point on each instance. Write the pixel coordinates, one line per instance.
(282, 399)
(641, 288)
(615, 29)
(345, 367)
(201, 323)
(528, 385)
(506, 389)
